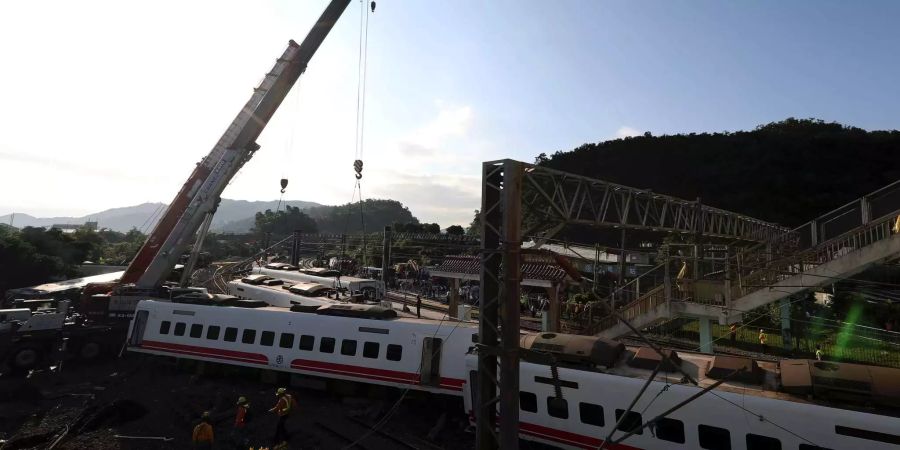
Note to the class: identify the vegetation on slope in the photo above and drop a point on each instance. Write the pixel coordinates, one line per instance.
(786, 172)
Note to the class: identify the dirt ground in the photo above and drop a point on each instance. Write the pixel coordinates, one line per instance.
(92, 406)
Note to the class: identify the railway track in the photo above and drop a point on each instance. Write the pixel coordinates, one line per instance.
(399, 297)
(356, 434)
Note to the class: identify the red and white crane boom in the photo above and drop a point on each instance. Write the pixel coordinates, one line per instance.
(200, 194)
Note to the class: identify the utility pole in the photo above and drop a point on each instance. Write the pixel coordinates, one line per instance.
(295, 248)
(386, 256)
(498, 319)
(621, 271)
(343, 253)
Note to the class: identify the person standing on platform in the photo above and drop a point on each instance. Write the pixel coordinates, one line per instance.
(733, 332)
(762, 340)
(419, 306)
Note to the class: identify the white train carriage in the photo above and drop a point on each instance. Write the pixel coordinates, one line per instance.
(374, 289)
(275, 295)
(404, 353)
(735, 416)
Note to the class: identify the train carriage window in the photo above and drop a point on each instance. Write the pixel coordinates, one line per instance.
(212, 332)
(307, 342)
(394, 352)
(527, 401)
(326, 345)
(558, 407)
(370, 349)
(867, 434)
(348, 347)
(230, 334)
(632, 421)
(179, 328)
(164, 327)
(591, 414)
(196, 330)
(287, 340)
(671, 430)
(714, 438)
(140, 325)
(757, 442)
(249, 336)
(267, 338)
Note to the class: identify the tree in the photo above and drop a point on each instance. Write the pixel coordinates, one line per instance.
(22, 263)
(786, 172)
(474, 228)
(284, 222)
(412, 227)
(121, 248)
(372, 216)
(456, 230)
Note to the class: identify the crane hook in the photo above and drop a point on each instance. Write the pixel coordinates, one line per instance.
(358, 167)
(373, 6)
(284, 182)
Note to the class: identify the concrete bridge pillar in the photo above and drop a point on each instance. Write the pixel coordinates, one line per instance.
(706, 340)
(552, 312)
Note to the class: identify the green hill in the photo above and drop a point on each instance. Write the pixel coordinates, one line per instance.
(786, 172)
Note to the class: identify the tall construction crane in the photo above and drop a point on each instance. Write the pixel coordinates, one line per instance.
(196, 202)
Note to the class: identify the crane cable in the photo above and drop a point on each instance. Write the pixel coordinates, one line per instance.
(361, 112)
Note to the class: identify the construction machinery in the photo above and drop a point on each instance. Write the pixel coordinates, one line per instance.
(193, 207)
(28, 337)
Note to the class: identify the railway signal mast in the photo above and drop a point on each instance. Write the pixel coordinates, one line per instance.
(197, 200)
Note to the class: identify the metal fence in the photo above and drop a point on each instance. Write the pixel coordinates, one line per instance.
(839, 341)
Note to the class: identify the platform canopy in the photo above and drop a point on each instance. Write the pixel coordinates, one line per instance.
(537, 270)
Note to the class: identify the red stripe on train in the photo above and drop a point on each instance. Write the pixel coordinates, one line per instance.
(453, 384)
(368, 372)
(254, 358)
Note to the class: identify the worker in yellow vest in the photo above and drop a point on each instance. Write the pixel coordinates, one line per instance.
(283, 408)
(203, 434)
(762, 340)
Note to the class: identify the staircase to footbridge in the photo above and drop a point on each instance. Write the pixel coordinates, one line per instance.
(715, 282)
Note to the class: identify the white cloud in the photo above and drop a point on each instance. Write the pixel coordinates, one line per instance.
(450, 123)
(445, 199)
(626, 131)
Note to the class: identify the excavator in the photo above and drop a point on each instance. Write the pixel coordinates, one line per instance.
(107, 307)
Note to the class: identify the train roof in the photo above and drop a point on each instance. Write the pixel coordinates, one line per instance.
(401, 318)
(288, 273)
(870, 389)
(61, 286)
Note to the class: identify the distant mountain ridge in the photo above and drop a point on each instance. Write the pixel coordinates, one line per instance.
(235, 216)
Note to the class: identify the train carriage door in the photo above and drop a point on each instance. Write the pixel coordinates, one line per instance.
(430, 371)
(137, 331)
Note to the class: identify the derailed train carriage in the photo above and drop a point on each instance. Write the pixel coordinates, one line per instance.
(792, 404)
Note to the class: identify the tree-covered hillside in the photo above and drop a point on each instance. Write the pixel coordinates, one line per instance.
(346, 218)
(787, 172)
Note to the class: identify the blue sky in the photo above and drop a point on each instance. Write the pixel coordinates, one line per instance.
(111, 103)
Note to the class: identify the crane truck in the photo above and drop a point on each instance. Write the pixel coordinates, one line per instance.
(107, 307)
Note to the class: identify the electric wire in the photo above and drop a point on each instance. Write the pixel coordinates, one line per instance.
(388, 415)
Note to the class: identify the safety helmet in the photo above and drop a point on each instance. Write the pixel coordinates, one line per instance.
(242, 400)
(205, 415)
(280, 391)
